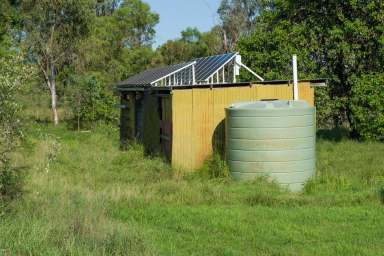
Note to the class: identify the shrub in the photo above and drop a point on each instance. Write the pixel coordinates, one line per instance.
(90, 102)
(11, 76)
(324, 108)
(215, 167)
(367, 107)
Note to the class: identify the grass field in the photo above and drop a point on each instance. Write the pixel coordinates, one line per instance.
(85, 197)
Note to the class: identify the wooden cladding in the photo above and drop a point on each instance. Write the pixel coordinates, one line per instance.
(198, 117)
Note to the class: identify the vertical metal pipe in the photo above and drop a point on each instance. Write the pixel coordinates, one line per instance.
(295, 83)
(234, 71)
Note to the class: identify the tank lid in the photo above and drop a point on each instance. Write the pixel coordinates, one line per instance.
(273, 104)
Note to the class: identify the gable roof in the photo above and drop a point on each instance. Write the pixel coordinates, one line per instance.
(203, 69)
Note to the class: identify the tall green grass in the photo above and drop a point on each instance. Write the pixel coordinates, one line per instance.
(83, 196)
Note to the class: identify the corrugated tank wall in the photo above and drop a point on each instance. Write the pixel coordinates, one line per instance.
(198, 117)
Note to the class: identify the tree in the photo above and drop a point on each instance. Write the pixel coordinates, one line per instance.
(53, 29)
(12, 74)
(340, 40)
(213, 41)
(119, 44)
(190, 35)
(238, 18)
(348, 39)
(90, 102)
(9, 20)
(106, 7)
(192, 44)
(367, 106)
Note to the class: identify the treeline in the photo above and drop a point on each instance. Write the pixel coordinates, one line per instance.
(338, 40)
(83, 44)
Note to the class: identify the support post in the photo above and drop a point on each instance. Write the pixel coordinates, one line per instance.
(295, 79)
(234, 71)
(127, 119)
(193, 75)
(250, 71)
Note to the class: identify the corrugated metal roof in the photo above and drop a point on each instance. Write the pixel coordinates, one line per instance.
(150, 75)
(204, 68)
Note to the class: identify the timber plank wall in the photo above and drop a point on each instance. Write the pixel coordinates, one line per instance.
(198, 117)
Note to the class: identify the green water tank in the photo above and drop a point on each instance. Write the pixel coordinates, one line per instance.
(275, 139)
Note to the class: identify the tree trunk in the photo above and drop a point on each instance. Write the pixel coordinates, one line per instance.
(52, 88)
(225, 41)
(48, 71)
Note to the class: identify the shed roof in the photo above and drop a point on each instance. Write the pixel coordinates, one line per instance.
(150, 75)
(204, 68)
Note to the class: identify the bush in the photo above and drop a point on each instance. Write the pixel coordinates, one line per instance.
(10, 182)
(11, 76)
(90, 102)
(324, 108)
(215, 167)
(367, 107)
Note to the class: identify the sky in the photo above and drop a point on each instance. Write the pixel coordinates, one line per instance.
(176, 15)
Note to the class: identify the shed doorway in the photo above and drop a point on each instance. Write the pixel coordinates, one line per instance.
(165, 115)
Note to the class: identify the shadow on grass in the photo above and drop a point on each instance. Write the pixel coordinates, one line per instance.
(381, 195)
(336, 134)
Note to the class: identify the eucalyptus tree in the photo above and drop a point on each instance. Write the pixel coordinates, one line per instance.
(106, 7)
(53, 28)
(238, 18)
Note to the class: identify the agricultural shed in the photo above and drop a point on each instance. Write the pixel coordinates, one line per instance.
(179, 110)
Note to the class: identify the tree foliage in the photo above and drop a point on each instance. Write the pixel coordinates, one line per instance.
(12, 74)
(9, 23)
(52, 30)
(106, 7)
(367, 106)
(238, 18)
(340, 40)
(89, 102)
(69, 38)
(119, 45)
(192, 44)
